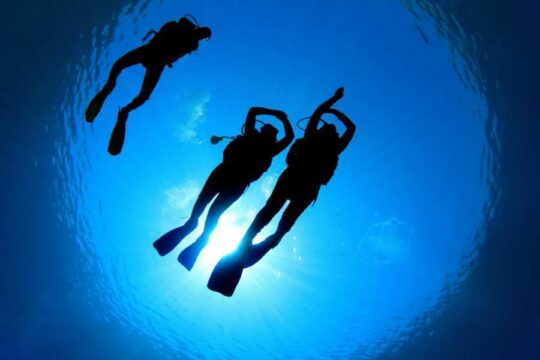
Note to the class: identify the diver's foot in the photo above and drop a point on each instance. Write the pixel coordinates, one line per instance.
(95, 106)
(258, 251)
(189, 255)
(119, 134)
(255, 254)
(170, 240)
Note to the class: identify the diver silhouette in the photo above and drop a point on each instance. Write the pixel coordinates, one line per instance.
(245, 159)
(174, 40)
(311, 162)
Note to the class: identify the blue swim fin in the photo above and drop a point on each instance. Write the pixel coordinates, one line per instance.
(118, 135)
(227, 274)
(95, 106)
(170, 240)
(189, 255)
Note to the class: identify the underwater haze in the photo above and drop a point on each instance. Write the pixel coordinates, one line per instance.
(424, 245)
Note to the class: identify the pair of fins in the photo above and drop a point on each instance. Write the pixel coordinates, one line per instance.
(116, 143)
(227, 273)
(170, 240)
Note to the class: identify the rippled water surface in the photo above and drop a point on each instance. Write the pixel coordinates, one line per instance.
(421, 246)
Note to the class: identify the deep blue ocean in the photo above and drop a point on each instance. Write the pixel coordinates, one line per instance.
(424, 245)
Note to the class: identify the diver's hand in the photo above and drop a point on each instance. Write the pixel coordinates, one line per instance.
(339, 93)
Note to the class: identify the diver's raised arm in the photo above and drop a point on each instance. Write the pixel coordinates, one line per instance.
(346, 138)
(256, 111)
(321, 109)
(289, 133)
(251, 117)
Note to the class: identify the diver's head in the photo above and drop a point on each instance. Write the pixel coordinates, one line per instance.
(269, 132)
(328, 131)
(203, 33)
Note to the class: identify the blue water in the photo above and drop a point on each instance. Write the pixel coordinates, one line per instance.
(424, 245)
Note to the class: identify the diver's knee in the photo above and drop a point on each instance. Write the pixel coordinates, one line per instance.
(117, 68)
(192, 222)
(263, 216)
(274, 240)
(142, 98)
(284, 227)
(211, 223)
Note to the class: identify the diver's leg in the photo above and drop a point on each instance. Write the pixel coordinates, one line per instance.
(170, 240)
(290, 215)
(274, 203)
(208, 192)
(131, 58)
(151, 78)
(228, 271)
(223, 201)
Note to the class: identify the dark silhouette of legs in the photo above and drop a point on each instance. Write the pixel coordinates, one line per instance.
(151, 78)
(131, 58)
(223, 201)
(274, 203)
(290, 215)
(170, 240)
(228, 271)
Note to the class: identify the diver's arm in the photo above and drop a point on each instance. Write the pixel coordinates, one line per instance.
(251, 118)
(346, 138)
(256, 111)
(289, 133)
(311, 127)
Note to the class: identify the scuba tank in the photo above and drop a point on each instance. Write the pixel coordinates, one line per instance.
(188, 19)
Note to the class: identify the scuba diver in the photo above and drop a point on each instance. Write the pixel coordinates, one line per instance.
(311, 162)
(174, 40)
(245, 159)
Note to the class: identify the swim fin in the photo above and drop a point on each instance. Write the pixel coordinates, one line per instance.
(227, 274)
(189, 255)
(95, 106)
(170, 240)
(118, 135)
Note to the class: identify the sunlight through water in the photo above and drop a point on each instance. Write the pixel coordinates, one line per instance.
(386, 240)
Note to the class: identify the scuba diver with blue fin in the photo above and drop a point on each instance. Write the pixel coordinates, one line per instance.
(174, 40)
(311, 162)
(245, 159)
